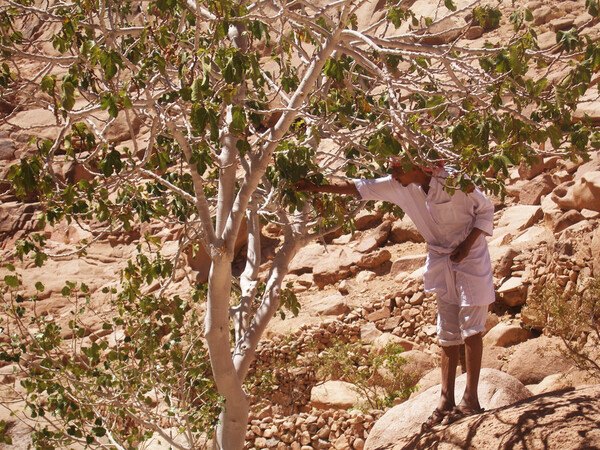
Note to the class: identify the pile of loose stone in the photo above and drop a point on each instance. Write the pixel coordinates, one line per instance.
(286, 419)
(338, 429)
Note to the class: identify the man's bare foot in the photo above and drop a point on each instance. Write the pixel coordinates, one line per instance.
(460, 411)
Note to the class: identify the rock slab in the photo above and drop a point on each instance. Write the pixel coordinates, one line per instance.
(403, 422)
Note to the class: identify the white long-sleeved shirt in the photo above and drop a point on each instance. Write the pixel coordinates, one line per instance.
(445, 221)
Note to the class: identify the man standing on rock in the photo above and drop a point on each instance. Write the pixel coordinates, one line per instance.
(458, 267)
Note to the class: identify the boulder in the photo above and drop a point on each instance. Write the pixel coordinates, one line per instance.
(119, 130)
(375, 238)
(405, 230)
(579, 194)
(369, 333)
(333, 266)
(502, 260)
(307, 257)
(408, 263)
(372, 260)
(418, 362)
(551, 211)
(513, 292)
(541, 15)
(385, 339)
(382, 313)
(494, 357)
(546, 40)
(566, 220)
(554, 382)
(561, 24)
(532, 237)
(474, 32)
(334, 305)
(430, 379)
(505, 335)
(15, 216)
(566, 419)
(520, 217)
(532, 191)
(528, 172)
(535, 359)
(367, 219)
(335, 394)
(444, 31)
(496, 389)
(364, 276)
(43, 122)
(7, 150)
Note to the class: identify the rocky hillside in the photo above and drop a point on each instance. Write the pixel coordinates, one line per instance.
(367, 286)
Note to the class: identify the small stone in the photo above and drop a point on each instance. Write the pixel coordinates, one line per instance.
(474, 32)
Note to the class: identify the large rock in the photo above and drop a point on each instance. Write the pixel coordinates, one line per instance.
(40, 123)
(335, 394)
(381, 342)
(504, 335)
(334, 266)
(405, 230)
(375, 238)
(580, 194)
(513, 292)
(567, 219)
(560, 420)
(502, 260)
(372, 260)
(418, 363)
(15, 216)
(496, 389)
(7, 150)
(532, 191)
(306, 258)
(520, 217)
(333, 305)
(535, 359)
(407, 263)
(369, 333)
(367, 219)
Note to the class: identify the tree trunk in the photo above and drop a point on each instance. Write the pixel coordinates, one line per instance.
(231, 432)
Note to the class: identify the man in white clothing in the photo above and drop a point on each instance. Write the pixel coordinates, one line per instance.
(458, 267)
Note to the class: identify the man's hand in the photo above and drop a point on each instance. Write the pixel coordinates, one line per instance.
(460, 252)
(306, 186)
(463, 249)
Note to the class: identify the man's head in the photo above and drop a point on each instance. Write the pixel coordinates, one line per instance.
(406, 174)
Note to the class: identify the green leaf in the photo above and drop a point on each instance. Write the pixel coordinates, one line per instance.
(110, 62)
(238, 120)
(555, 136)
(199, 118)
(11, 281)
(68, 98)
(48, 84)
(528, 15)
(450, 5)
(39, 287)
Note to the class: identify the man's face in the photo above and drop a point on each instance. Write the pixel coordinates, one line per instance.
(404, 178)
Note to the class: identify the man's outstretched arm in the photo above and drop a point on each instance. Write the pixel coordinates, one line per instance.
(346, 187)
